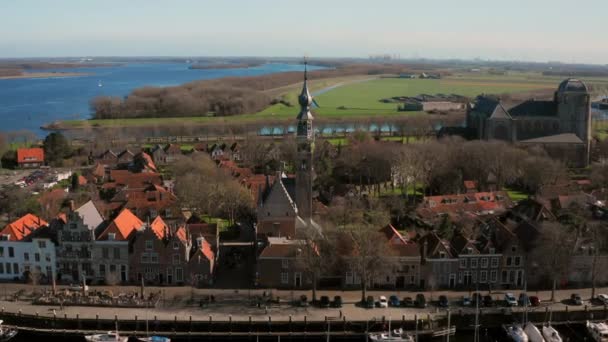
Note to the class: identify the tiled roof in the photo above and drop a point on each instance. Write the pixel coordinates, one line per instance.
(123, 226)
(149, 163)
(281, 248)
(476, 203)
(534, 108)
(206, 249)
(135, 180)
(392, 235)
(28, 155)
(159, 227)
(173, 149)
(91, 216)
(22, 227)
(564, 138)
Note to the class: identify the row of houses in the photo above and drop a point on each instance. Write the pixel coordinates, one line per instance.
(83, 245)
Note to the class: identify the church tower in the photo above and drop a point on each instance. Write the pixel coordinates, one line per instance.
(574, 110)
(305, 144)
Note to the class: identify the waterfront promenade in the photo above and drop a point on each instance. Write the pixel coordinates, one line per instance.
(183, 303)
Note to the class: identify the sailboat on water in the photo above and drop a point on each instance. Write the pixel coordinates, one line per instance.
(397, 335)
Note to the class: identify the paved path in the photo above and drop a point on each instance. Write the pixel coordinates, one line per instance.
(238, 305)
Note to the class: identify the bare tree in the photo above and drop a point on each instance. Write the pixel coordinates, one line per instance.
(552, 252)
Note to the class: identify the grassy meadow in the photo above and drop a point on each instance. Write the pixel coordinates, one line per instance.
(359, 96)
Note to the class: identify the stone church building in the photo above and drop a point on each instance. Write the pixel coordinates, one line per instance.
(562, 126)
(287, 204)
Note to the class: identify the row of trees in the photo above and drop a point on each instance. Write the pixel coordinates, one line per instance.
(220, 97)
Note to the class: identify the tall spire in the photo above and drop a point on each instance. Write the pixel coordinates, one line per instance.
(305, 99)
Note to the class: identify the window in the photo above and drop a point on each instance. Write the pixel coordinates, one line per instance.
(492, 251)
(16, 268)
(474, 276)
(149, 245)
(111, 236)
(8, 268)
(176, 259)
(37, 257)
(105, 253)
(513, 249)
(1, 268)
(494, 262)
(11, 252)
(459, 277)
(350, 278)
(483, 276)
(284, 278)
(175, 245)
(463, 263)
(73, 225)
(493, 275)
(26, 256)
(179, 274)
(285, 263)
(154, 258)
(116, 253)
(47, 257)
(473, 263)
(508, 261)
(144, 257)
(41, 244)
(1, 252)
(517, 261)
(112, 268)
(102, 270)
(442, 255)
(484, 262)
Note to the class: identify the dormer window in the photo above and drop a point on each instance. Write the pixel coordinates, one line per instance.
(442, 255)
(492, 250)
(513, 249)
(112, 236)
(175, 245)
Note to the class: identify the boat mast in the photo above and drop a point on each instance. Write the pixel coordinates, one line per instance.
(476, 336)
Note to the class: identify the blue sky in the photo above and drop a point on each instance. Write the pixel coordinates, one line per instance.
(539, 30)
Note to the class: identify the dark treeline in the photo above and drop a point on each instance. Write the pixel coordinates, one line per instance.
(220, 97)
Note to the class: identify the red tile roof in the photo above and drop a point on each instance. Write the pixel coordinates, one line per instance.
(23, 227)
(82, 180)
(159, 227)
(149, 163)
(206, 249)
(29, 155)
(476, 203)
(123, 226)
(132, 180)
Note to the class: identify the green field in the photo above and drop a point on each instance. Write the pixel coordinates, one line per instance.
(360, 96)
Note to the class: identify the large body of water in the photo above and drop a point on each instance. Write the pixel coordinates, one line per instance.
(32, 102)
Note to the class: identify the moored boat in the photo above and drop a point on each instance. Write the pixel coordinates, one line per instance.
(598, 331)
(109, 336)
(516, 333)
(154, 339)
(533, 333)
(550, 334)
(6, 332)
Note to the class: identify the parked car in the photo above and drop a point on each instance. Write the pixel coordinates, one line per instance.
(337, 303)
(534, 301)
(510, 299)
(369, 302)
(487, 301)
(324, 302)
(78, 287)
(393, 301)
(603, 298)
(524, 300)
(303, 302)
(407, 302)
(466, 301)
(382, 302)
(443, 301)
(420, 301)
(576, 299)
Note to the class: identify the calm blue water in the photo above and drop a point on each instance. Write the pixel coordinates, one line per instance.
(31, 103)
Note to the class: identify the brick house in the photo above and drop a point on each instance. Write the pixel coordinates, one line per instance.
(440, 264)
(30, 157)
(278, 265)
(168, 255)
(75, 243)
(111, 248)
(479, 262)
(406, 261)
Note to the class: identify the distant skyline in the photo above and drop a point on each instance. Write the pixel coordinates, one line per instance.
(521, 30)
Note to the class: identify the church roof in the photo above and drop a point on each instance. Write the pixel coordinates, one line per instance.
(534, 108)
(500, 112)
(564, 138)
(486, 104)
(305, 99)
(572, 84)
